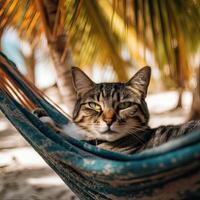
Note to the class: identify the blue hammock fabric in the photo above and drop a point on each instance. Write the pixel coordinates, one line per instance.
(171, 171)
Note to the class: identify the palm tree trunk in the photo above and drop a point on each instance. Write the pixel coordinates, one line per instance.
(30, 62)
(181, 67)
(51, 14)
(180, 95)
(1, 34)
(195, 108)
(62, 67)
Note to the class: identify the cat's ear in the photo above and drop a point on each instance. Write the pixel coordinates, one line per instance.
(140, 81)
(82, 83)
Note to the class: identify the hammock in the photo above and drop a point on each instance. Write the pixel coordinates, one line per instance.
(171, 171)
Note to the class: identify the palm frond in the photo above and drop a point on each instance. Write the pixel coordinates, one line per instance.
(93, 40)
(23, 16)
(95, 30)
(126, 34)
(87, 29)
(174, 33)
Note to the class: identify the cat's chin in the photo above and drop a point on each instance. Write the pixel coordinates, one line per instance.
(109, 136)
(109, 132)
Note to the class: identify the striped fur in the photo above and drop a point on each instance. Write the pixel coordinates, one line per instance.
(150, 138)
(131, 131)
(111, 123)
(114, 116)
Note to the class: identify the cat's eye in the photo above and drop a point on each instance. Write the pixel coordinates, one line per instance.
(124, 105)
(94, 106)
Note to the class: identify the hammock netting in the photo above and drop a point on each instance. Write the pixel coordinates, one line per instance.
(171, 171)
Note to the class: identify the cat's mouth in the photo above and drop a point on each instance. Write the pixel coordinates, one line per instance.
(109, 131)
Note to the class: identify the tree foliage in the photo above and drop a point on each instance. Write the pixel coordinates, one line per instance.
(169, 29)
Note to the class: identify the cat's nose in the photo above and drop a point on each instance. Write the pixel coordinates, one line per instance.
(109, 117)
(108, 121)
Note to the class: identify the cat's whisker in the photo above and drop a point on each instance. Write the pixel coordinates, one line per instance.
(123, 107)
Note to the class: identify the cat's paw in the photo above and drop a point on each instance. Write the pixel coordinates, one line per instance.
(43, 116)
(39, 112)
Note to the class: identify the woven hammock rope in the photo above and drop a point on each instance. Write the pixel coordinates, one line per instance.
(171, 171)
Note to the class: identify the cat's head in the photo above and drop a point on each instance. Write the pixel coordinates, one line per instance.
(109, 111)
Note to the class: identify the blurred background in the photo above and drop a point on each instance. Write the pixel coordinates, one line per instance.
(110, 40)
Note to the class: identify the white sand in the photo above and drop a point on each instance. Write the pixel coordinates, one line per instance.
(25, 176)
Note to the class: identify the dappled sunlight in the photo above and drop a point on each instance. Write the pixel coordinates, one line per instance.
(3, 125)
(24, 156)
(161, 107)
(39, 183)
(45, 181)
(158, 120)
(164, 101)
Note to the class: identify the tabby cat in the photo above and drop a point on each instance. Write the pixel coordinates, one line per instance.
(114, 116)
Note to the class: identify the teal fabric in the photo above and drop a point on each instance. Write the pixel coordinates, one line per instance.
(171, 171)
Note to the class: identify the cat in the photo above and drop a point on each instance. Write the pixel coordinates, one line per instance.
(114, 116)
